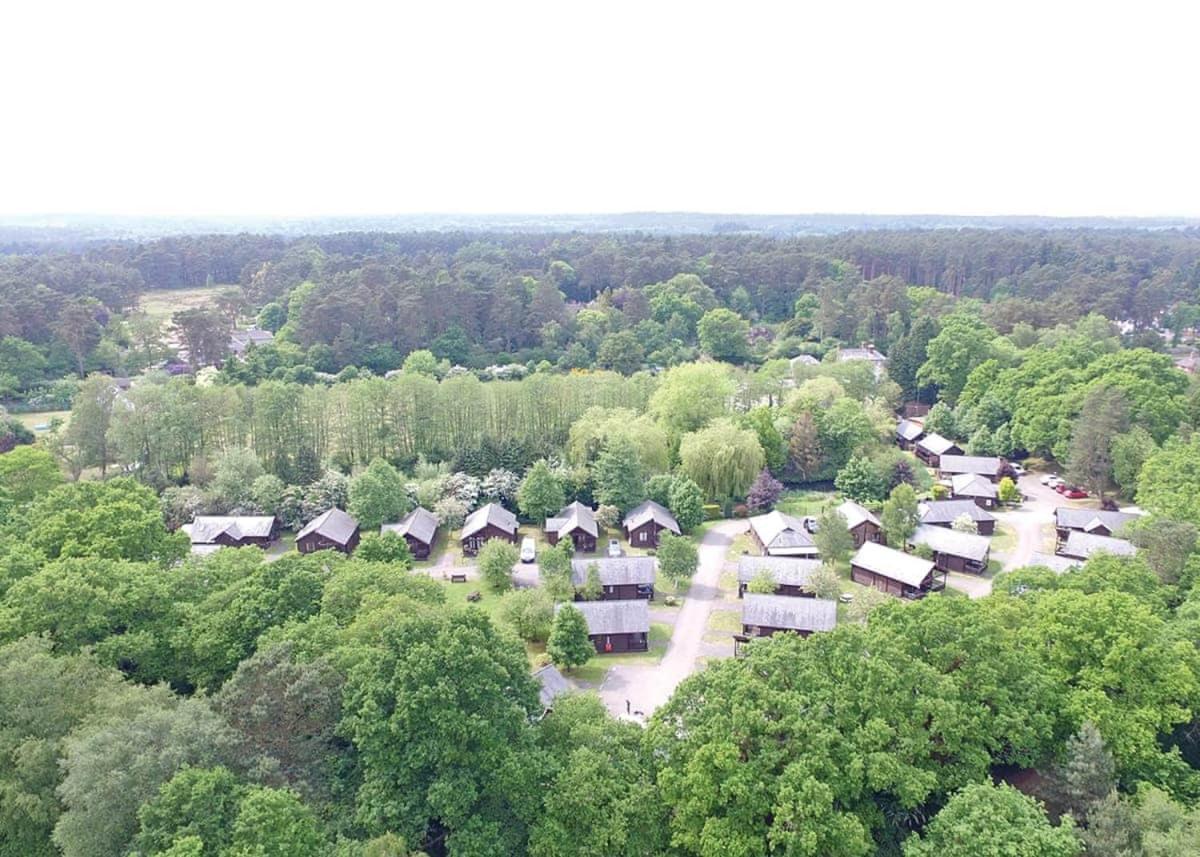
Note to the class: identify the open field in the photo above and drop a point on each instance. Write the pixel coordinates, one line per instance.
(32, 419)
(161, 304)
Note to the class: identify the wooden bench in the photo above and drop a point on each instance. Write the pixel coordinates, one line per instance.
(458, 578)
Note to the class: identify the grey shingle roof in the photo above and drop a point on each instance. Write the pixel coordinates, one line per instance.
(648, 510)
(574, 517)
(787, 571)
(1084, 545)
(1059, 564)
(947, 511)
(492, 513)
(894, 564)
(551, 685)
(942, 540)
(972, 485)
(984, 465)
(780, 532)
(616, 570)
(334, 525)
(781, 611)
(205, 529)
(935, 443)
(909, 430)
(856, 514)
(1087, 519)
(420, 523)
(615, 617)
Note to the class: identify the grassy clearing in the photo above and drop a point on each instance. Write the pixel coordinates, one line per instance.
(804, 502)
(727, 621)
(594, 671)
(1004, 539)
(33, 419)
(161, 304)
(742, 543)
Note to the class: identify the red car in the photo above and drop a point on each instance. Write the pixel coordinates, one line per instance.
(1061, 487)
(1075, 494)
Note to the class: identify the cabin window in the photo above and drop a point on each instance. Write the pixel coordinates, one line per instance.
(642, 536)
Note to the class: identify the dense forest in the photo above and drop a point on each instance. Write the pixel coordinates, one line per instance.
(159, 703)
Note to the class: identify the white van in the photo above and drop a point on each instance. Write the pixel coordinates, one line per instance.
(528, 552)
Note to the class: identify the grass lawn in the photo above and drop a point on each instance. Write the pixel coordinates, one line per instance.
(593, 671)
(742, 543)
(803, 502)
(726, 621)
(1004, 539)
(35, 418)
(161, 304)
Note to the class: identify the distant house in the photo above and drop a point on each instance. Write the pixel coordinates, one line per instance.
(1085, 545)
(933, 446)
(778, 534)
(241, 340)
(863, 526)
(551, 685)
(987, 466)
(978, 489)
(577, 522)
(616, 626)
(764, 615)
(646, 522)
(1057, 564)
(331, 530)
(895, 572)
(209, 532)
(908, 432)
(492, 521)
(419, 529)
(943, 513)
(790, 574)
(623, 578)
(1092, 521)
(952, 550)
(868, 353)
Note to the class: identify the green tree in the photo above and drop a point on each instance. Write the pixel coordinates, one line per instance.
(833, 538)
(554, 569)
(541, 493)
(196, 802)
(1102, 418)
(677, 558)
(1169, 484)
(1129, 452)
(27, 473)
(621, 352)
(1164, 544)
(940, 420)
(1007, 491)
(377, 495)
(422, 362)
(496, 560)
(686, 502)
(569, 646)
(530, 612)
(963, 342)
(993, 821)
(274, 823)
(1088, 773)
(804, 447)
(233, 478)
(859, 481)
(385, 547)
(592, 588)
(900, 516)
(763, 583)
(724, 335)
(762, 421)
(92, 409)
(691, 395)
(619, 477)
(721, 459)
(825, 582)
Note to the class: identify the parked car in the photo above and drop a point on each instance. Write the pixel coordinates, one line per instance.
(528, 550)
(1047, 478)
(1017, 469)
(614, 547)
(1061, 487)
(1075, 494)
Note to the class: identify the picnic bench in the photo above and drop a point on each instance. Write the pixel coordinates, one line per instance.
(458, 577)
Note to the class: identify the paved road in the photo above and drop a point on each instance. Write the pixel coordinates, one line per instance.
(648, 687)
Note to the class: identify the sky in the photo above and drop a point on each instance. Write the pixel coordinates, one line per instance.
(348, 108)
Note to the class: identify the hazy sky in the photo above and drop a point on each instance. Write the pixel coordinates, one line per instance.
(260, 108)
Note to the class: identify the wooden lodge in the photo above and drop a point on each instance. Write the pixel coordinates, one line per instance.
(492, 521)
(908, 433)
(1091, 521)
(418, 528)
(933, 446)
(623, 578)
(765, 615)
(989, 467)
(331, 530)
(952, 550)
(863, 525)
(576, 522)
(1083, 546)
(617, 626)
(210, 532)
(790, 573)
(895, 572)
(777, 534)
(978, 489)
(646, 522)
(943, 513)
(551, 685)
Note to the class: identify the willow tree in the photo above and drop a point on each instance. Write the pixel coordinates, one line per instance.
(722, 459)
